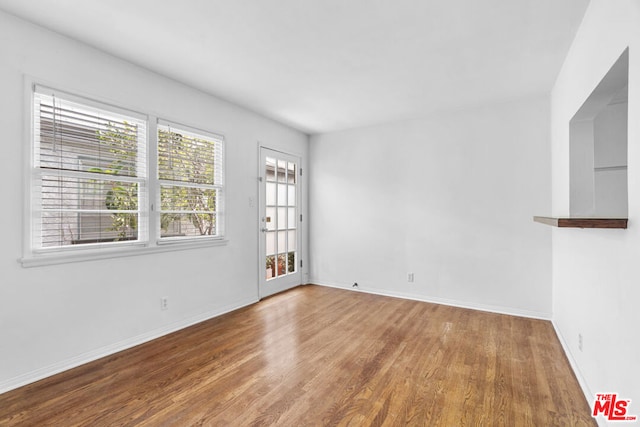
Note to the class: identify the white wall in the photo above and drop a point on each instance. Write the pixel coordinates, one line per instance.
(582, 202)
(449, 198)
(610, 150)
(596, 273)
(57, 316)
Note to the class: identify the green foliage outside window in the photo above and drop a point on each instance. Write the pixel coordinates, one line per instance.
(182, 160)
(187, 160)
(121, 144)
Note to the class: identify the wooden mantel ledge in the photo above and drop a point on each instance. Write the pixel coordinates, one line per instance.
(583, 222)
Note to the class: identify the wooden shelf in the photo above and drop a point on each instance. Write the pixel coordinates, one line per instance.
(583, 222)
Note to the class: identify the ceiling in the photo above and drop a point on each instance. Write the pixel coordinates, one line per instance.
(326, 65)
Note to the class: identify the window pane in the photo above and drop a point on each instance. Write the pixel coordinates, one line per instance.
(270, 169)
(187, 211)
(282, 241)
(282, 264)
(292, 195)
(271, 267)
(80, 210)
(271, 194)
(292, 240)
(291, 173)
(271, 243)
(186, 158)
(270, 219)
(282, 218)
(70, 136)
(282, 168)
(292, 218)
(282, 195)
(291, 262)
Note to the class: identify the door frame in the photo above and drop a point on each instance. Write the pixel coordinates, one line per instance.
(297, 278)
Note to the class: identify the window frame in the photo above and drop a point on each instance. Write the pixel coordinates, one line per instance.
(37, 171)
(149, 238)
(220, 186)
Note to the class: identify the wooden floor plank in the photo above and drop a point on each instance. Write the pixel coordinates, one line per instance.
(322, 356)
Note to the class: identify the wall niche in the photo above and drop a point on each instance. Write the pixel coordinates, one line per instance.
(598, 148)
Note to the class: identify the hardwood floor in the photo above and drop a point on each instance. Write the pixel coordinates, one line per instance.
(322, 356)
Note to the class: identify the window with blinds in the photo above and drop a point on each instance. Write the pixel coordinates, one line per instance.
(190, 172)
(89, 163)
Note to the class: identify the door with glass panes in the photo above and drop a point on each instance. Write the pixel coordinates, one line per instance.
(279, 263)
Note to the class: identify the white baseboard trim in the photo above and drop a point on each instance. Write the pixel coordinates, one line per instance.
(442, 301)
(56, 368)
(586, 390)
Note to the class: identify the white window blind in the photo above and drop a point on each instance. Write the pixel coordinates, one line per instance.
(191, 178)
(89, 173)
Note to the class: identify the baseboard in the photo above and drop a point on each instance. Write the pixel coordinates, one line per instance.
(443, 301)
(39, 374)
(586, 390)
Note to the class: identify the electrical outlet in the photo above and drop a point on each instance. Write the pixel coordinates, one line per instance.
(580, 342)
(410, 277)
(164, 303)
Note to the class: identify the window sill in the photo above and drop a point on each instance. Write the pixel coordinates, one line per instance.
(98, 254)
(583, 222)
